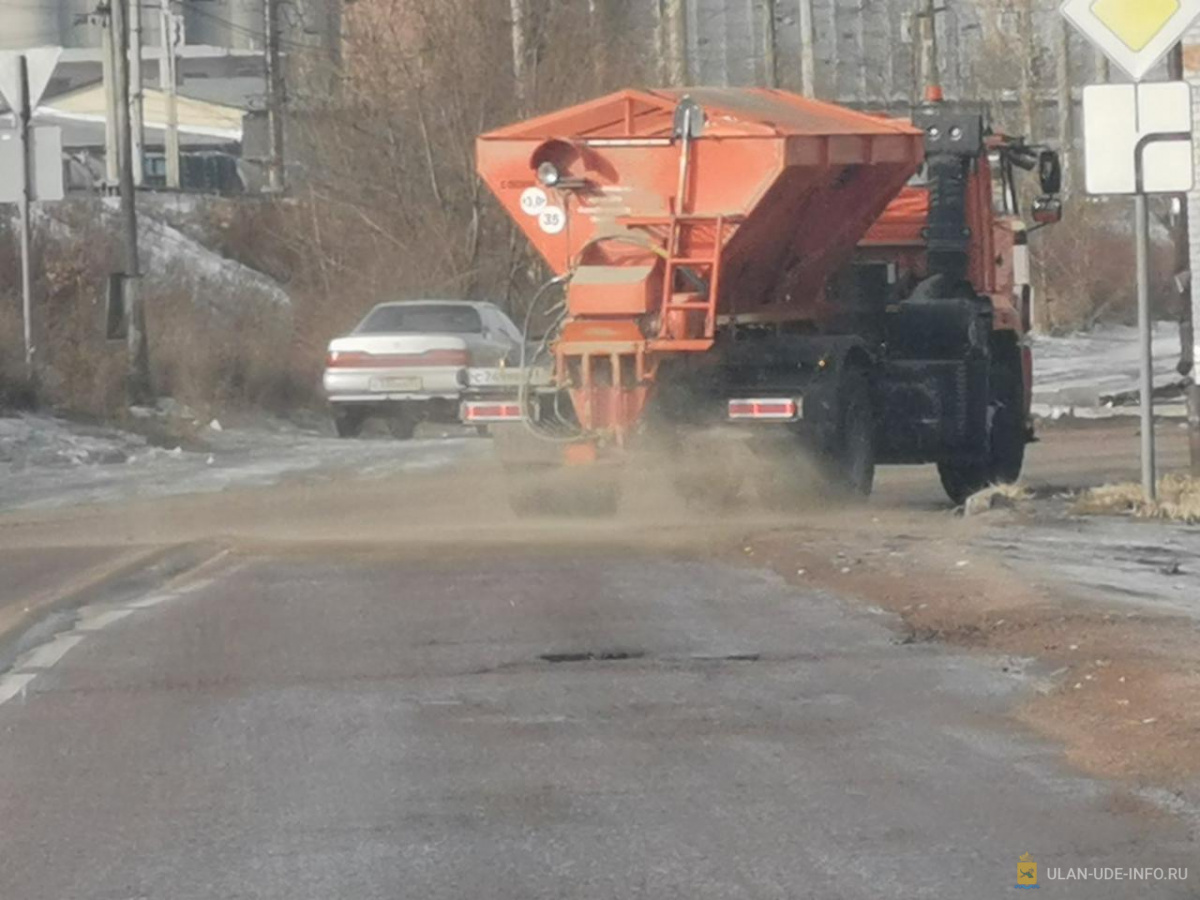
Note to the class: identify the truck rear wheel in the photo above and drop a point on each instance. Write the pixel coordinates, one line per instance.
(851, 459)
(1006, 434)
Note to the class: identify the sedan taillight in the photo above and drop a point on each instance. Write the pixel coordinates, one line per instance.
(442, 358)
(342, 359)
(357, 359)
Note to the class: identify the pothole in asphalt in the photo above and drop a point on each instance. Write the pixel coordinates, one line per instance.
(619, 655)
(592, 656)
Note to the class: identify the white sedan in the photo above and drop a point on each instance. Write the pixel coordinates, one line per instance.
(409, 361)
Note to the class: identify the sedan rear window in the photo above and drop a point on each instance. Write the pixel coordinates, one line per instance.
(422, 318)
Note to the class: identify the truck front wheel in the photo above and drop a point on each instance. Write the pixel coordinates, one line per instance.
(1006, 435)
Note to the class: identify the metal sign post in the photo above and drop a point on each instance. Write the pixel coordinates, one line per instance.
(1138, 141)
(1146, 337)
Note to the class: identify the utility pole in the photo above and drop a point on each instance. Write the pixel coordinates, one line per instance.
(23, 120)
(275, 98)
(1066, 104)
(596, 26)
(660, 42)
(808, 63)
(108, 66)
(1025, 63)
(168, 81)
(770, 57)
(517, 13)
(931, 76)
(135, 75)
(675, 15)
(137, 380)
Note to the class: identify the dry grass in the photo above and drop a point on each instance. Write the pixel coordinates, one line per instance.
(1178, 500)
(996, 496)
(212, 356)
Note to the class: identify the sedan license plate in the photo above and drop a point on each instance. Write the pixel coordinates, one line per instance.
(396, 383)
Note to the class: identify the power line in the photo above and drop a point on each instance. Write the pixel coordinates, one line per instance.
(242, 29)
(191, 7)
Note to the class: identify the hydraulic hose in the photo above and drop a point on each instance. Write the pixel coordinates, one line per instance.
(569, 432)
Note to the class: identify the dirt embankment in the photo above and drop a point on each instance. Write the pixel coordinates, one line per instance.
(1121, 688)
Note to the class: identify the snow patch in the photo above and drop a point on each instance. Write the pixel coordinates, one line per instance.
(1081, 370)
(48, 462)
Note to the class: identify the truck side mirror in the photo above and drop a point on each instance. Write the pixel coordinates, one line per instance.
(1050, 172)
(1047, 210)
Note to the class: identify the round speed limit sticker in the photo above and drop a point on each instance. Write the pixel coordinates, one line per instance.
(552, 220)
(533, 201)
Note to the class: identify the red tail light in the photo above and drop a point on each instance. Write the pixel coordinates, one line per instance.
(441, 358)
(347, 359)
(771, 409)
(358, 359)
(482, 413)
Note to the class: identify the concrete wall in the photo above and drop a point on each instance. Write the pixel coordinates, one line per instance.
(45, 23)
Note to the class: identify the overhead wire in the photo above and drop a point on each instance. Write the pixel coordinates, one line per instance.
(242, 29)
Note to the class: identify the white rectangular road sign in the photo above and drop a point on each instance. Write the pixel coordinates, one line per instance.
(46, 157)
(1138, 138)
(1134, 34)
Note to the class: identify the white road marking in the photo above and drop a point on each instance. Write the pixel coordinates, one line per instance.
(48, 655)
(90, 620)
(152, 600)
(11, 685)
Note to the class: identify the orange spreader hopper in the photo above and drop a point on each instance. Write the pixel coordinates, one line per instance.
(678, 211)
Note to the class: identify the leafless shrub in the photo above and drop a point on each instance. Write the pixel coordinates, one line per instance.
(1088, 263)
(209, 356)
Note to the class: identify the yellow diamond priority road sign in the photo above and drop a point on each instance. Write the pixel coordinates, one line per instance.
(1134, 34)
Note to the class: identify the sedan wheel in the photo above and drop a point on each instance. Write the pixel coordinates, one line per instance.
(403, 425)
(349, 422)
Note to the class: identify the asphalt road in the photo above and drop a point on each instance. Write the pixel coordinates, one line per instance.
(532, 725)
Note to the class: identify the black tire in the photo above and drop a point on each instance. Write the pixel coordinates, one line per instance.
(851, 458)
(402, 425)
(1007, 435)
(960, 481)
(348, 423)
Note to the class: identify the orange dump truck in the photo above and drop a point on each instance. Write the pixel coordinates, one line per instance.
(754, 257)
